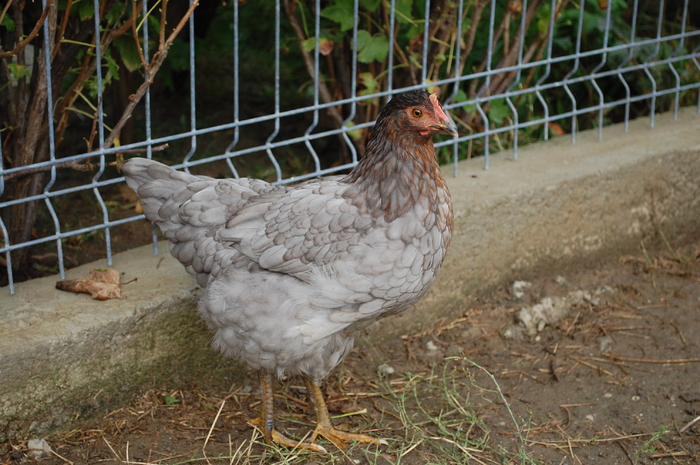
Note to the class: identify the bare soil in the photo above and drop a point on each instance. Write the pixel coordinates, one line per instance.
(615, 380)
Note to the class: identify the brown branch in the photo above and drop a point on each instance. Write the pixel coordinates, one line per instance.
(663, 362)
(527, 57)
(502, 81)
(309, 62)
(4, 10)
(64, 25)
(161, 33)
(88, 68)
(74, 164)
(442, 23)
(135, 32)
(152, 69)
(32, 35)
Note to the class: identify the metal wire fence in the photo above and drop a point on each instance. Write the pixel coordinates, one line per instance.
(292, 88)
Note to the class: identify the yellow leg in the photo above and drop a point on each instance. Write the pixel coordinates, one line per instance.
(266, 422)
(323, 422)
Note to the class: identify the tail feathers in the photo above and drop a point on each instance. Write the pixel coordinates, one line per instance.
(189, 209)
(157, 184)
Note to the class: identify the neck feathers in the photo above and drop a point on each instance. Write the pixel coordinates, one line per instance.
(397, 173)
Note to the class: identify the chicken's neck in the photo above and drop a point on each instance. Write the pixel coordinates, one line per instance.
(397, 173)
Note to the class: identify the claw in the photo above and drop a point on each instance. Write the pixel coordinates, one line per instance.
(340, 438)
(266, 421)
(274, 436)
(325, 428)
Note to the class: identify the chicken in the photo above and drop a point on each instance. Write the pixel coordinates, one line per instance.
(291, 273)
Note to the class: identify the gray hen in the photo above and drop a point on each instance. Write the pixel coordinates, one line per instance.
(291, 273)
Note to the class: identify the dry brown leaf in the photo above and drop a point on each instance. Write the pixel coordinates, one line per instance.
(325, 47)
(557, 129)
(101, 285)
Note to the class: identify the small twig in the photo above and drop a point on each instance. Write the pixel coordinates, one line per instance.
(669, 454)
(135, 33)
(686, 427)
(349, 414)
(151, 71)
(668, 245)
(465, 450)
(591, 440)
(61, 457)
(112, 449)
(73, 164)
(647, 307)
(223, 402)
(680, 334)
(32, 35)
(309, 63)
(626, 453)
(64, 24)
(590, 365)
(650, 264)
(407, 451)
(644, 360)
(157, 148)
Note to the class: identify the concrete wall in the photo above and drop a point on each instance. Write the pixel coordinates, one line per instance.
(65, 357)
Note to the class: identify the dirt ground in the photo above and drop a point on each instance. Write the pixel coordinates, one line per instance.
(591, 366)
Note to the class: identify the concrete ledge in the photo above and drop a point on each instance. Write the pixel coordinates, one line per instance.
(66, 356)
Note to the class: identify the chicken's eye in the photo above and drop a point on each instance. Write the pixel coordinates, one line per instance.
(417, 113)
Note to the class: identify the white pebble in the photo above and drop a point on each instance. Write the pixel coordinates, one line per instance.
(38, 449)
(518, 289)
(607, 395)
(431, 346)
(386, 369)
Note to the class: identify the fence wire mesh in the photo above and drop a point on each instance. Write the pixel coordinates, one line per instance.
(288, 90)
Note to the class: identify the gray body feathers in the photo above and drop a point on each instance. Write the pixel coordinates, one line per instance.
(290, 273)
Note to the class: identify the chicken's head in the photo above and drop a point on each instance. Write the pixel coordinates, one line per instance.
(418, 112)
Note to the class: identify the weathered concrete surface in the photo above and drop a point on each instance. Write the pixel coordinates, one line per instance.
(66, 356)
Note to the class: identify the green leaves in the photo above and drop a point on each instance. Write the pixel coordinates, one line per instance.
(342, 13)
(18, 71)
(128, 52)
(86, 9)
(371, 47)
(8, 23)
(499, 110)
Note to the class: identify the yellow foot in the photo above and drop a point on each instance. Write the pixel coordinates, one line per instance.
(339, 438)
(273, 436)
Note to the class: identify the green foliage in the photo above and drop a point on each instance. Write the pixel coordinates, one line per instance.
(18, 71)
(84, 8)
(340, 12)
(648, 446)
(128, 52)
(371, 47)
(7, 22)
(499, 111)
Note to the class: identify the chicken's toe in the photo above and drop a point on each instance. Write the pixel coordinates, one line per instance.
(340, 438)
(273, 436)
